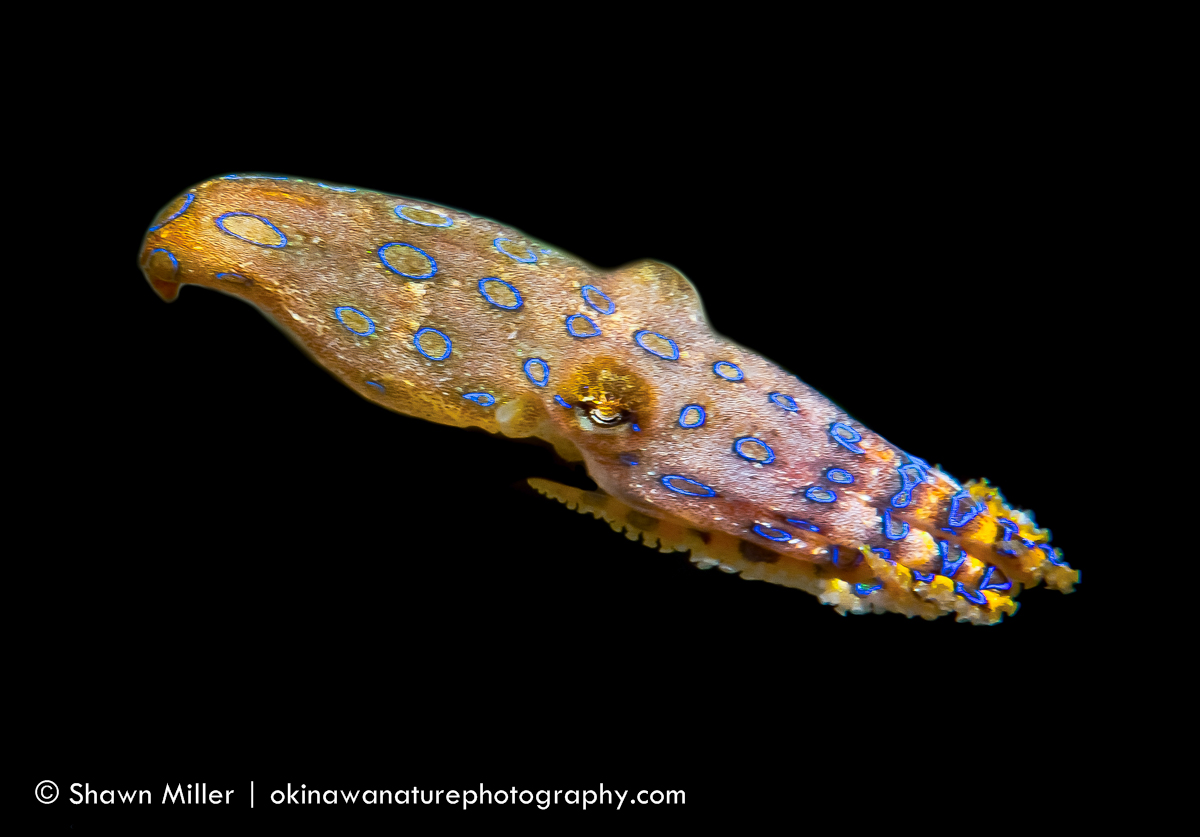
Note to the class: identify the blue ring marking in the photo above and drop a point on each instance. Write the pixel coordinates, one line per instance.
(894, 533)
(337, 312)
(563, 403)
(637, 338)
(433, 267)
(785, 401)
(737, 448)
(635, 428)
(839, 475)
(1052, 555)
(911, 475)
(240, 277)
(960, 516)
(949, 567)
(253, 177)
(861, 589)
(377, 385)
(973, 596)
(718, 372)
(920, 576)
(170, 255)
(902, 499)
(701, 416)
(532, 255)
(571, 320)
(988, 584)
(593, 289)
(834, 557)
(483, 399)
(707, 490)
(835, 430)
(191, 197)
(338, 188)
(812, 527)
(783, 535)
(545, 371)
(417, 343)
(627, 459)
(885, 553)
(401, 215)
(821, 495)
(508, 285)
(282, 237)
(1010, 527)
(951, 531)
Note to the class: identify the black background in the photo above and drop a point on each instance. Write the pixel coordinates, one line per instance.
(237, 559)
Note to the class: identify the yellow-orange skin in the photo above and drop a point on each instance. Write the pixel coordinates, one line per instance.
(331, 260)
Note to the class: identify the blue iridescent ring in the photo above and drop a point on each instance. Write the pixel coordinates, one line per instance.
(699, 416)
(170, 255)
(483, 292)
(963, 508)
(562, 402)
(839, 475)
(884, 553)
(233, 277)
(637, 338)
(812, 527)
(337, 312)
(433, 268)
(483, 399)
(861, 589)
(785, 401)
(1052, 555)
(190, 197)
(1010, 527)
(911, 475)
(337, 188)
(573, 325)
(253, 177)
(400, 214)
(920, 576)
(771, 533)
(820, 495)
(728, 371)
(377, 385)
(219, 221)
(987, 584)
(537, 361)
(894, 530)
(762, 460)
(705, 491)
(970, 595)
(591, 290)
(427, 330)
(902, 499)
(532, 255)
(950, 566)
(846, 436)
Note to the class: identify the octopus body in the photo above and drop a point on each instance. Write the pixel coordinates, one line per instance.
(696, 443)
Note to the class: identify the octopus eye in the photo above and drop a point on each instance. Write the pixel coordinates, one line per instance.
(607, 416)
